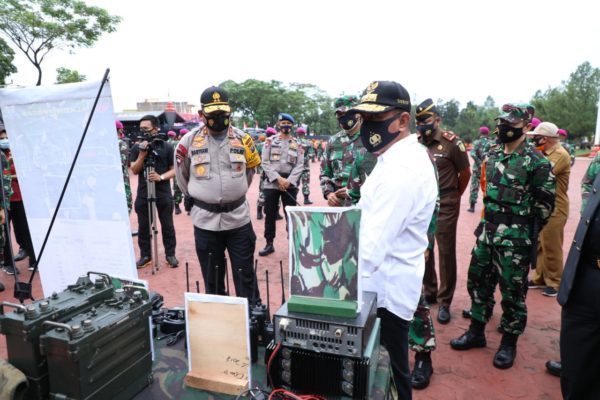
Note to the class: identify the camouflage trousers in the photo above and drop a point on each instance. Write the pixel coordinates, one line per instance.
(261, 192)
(421, 334)
(128, 195)
(305, 178)
(504, 265)
(177, 195)
(475, 183)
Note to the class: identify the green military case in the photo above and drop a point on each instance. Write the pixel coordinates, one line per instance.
(23, 327)
(104, 353)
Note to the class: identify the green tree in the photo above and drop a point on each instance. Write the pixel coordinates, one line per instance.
(573, 105)
(256, 101)
(37, 27)
(66, 75)
(6, 58)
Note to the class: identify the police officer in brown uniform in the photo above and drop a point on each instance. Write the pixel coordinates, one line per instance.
(283, 163)
(214, 166)
(454, 173)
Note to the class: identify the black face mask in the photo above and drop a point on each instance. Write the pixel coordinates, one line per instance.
(217, 123)
(537, 141)
(375, 135)
(426, 131)
(286, 129)
(347, 121)
(507, 133)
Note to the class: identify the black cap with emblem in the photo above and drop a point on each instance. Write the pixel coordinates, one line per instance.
(425, 110)
(214, 99)
(382, 96)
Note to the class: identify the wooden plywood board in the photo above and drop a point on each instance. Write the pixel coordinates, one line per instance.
(218, 343)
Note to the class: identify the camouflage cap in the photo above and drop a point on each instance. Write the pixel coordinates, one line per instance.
(344, 103)
(515, 113)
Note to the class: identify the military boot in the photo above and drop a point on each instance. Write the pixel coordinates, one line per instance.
(267, 250)
(505, 356)
(307, 200)
(472, 208)
(259, 213)
(474, 337)
(1, 287)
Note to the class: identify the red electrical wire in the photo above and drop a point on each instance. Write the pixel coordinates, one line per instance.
(270, 380)
(282, 394)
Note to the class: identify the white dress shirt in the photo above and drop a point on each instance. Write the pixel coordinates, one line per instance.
(397, 203)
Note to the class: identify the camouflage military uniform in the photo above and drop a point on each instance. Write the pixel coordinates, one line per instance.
(520, 187)
(337, 161)
(421, 333)
(480, 148)
(124, 150)
(305, 178)
(571, 150)
(587, 181)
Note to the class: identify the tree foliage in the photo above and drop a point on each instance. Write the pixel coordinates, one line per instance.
(6, 58)
(36, 27)
(66, 75)
(465, 122)
(256, 101)
(573, 105)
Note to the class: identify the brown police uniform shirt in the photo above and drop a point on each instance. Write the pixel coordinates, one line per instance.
(450, 157)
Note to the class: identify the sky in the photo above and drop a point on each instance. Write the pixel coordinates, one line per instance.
(466, 50)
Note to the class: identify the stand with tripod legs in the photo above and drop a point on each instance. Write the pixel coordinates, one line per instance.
(152, 218)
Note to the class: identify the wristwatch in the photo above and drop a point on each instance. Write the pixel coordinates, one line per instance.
(162, 178)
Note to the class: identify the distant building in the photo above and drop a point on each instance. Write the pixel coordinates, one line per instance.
(182, 107)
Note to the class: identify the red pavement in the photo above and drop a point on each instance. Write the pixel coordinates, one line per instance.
(457, 375)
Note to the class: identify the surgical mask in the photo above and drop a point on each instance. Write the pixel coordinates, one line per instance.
(426, 131)
(507, 133)
(375, 135)
(4, 144)
(286, 129)
(217, 123)
(347, 121)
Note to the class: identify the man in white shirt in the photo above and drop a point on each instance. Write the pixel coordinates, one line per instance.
(397, 203)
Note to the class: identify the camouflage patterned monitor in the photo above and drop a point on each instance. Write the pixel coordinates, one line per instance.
(324, 258)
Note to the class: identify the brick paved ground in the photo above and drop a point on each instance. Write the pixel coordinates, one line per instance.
(458, 375)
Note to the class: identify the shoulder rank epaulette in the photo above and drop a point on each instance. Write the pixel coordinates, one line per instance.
(450, 136)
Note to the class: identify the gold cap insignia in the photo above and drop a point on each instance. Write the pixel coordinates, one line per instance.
(216, 97)
(510, 134)
(372, 86)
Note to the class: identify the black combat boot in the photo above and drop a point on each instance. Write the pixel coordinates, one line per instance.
(422, 371)
(472, 208)
(267, 250)
(474, 337)
(505, 356)
(307, 200)
(259, 213)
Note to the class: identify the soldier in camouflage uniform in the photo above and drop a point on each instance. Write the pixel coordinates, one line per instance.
(520, 190)
(124, 151)
(480, 148)
(562, 133)
(340, 152)
(421, 333)
(4, 197)
(587, 181)
(305, 178)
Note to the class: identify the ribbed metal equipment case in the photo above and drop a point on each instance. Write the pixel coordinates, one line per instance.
(24, 326)
(105, 354)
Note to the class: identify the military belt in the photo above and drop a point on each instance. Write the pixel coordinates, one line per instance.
(506, 219)
(220, 208)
